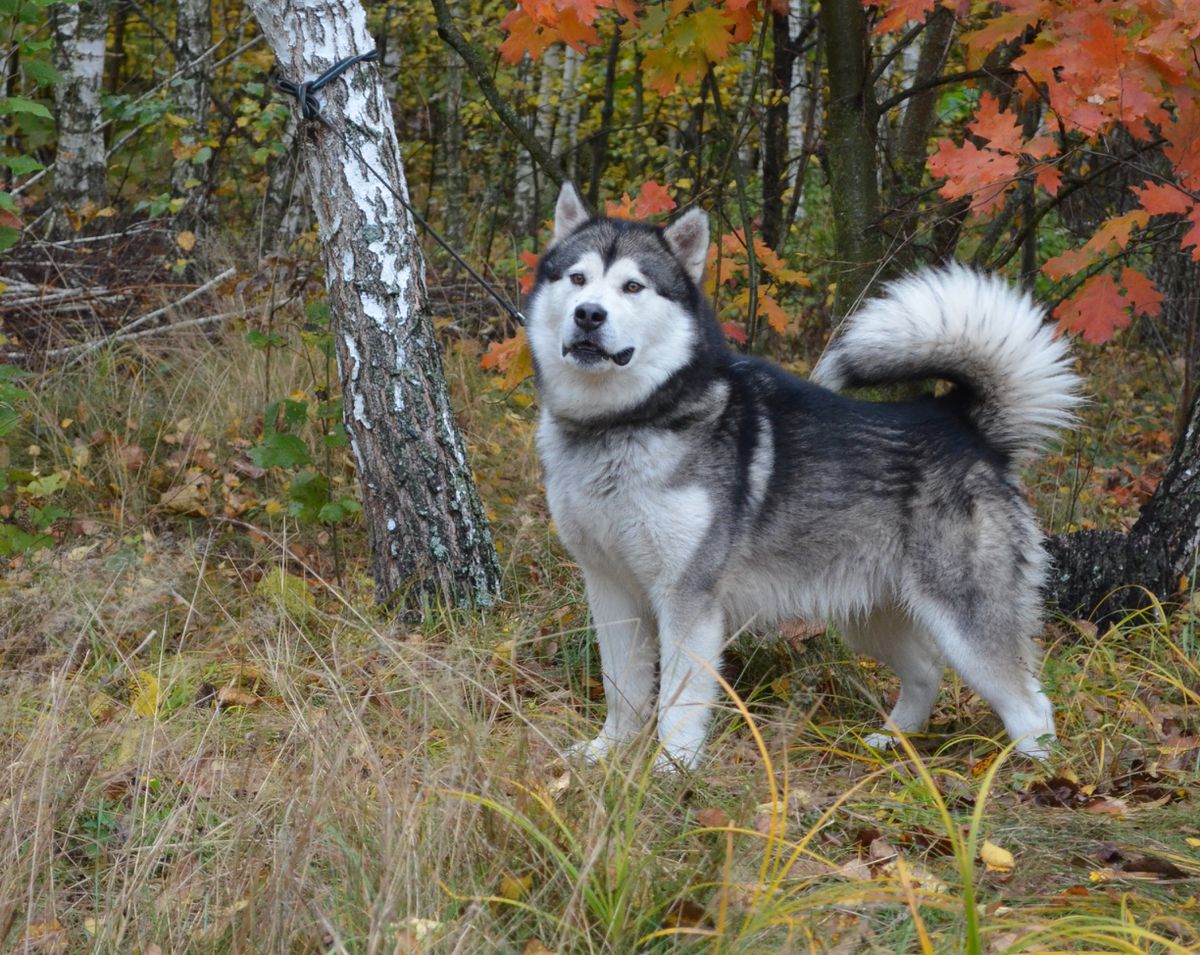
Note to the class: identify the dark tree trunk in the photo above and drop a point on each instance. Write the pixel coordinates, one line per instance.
(1103, 572)
(428, 532)
(775, 135)
(850, 151)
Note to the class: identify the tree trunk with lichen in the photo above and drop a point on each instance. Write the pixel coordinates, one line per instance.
(1101, 573)
(850, 152)
(80, 169)
(428, 531)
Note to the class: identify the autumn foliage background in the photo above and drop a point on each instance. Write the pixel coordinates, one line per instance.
(211, 739)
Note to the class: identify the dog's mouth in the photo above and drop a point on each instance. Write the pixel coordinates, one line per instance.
(587, 352)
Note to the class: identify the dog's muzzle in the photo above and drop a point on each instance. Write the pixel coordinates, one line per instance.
(586, 351)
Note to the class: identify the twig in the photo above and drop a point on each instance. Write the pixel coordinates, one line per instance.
(75, 352)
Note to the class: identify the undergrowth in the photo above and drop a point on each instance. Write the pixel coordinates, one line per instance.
(212, 741)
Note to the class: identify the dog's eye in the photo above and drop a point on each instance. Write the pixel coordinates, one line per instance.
(632, 287)
(578, 278)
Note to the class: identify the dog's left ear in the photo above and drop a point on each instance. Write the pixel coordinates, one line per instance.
(570, 212)
(687, 237)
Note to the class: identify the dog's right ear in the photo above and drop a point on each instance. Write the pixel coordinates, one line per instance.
(570, 212)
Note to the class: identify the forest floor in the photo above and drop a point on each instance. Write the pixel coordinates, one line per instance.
(211, 740)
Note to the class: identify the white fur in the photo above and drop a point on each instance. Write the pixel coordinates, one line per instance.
(957, 318)
(643, 321)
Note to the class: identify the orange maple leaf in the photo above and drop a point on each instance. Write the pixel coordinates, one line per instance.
(1141, 293)
(528, 277)
(525, 36)
(1162, 198)
(1096, 311)
(777, 318)
(512, 358)
(1071, 262)
(652, 200)
(982, 174)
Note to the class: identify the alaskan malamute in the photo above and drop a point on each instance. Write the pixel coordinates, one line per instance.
(701, 490)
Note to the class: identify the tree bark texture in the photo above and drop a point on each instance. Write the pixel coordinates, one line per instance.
(428, 531)
(912, 140)
(775, 138)
(79, 166)
(850, 151)
(193, 37)
(1100, 573)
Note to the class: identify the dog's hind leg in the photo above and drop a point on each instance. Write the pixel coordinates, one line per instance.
(995, 656)
(894, 638)
(628, 653)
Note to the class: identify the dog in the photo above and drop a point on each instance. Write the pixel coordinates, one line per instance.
(701, 490)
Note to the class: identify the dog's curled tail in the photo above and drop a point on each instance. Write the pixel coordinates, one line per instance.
(971, 329)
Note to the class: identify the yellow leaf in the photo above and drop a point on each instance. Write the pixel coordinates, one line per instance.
(514, 889)
(178, 121)
(186, 240)
(995, 858)
(144, 695)
(1192, 841)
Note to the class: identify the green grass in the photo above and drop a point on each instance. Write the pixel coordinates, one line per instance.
(208, 743)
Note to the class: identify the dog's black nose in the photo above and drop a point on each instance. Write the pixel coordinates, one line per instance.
(589, 316)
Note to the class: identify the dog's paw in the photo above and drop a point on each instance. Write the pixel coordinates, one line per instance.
(883, 741)
(590, 751)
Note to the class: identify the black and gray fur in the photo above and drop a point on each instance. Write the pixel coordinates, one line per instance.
(701, 490)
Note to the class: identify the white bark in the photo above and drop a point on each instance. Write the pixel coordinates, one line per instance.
(525, 196)
(568, 110)
(79, 36)
(429, 536)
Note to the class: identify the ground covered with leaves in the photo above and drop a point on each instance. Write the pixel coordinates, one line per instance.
(212, 741)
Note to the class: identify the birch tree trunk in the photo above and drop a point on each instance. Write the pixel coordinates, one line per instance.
(428, 532)
(193, 37)
(525, 198)
(79, 166)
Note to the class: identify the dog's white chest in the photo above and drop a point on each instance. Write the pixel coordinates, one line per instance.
(622, 502)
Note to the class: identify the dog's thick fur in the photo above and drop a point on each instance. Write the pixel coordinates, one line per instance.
(701, 490)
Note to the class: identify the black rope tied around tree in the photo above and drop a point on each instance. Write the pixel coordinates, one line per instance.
(310, 110)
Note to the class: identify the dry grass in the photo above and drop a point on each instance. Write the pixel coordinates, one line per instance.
(209, 745)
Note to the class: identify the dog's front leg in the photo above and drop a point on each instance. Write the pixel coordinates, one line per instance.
(625, 634)
(691, 635)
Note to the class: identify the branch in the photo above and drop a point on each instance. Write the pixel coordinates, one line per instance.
(936, 81)
(76, 352)
(470, 55)
(1062, 194)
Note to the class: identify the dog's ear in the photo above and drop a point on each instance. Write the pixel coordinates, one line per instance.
(687, 237)
(569, 213)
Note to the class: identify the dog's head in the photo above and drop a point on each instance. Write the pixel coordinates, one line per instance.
(616, 309)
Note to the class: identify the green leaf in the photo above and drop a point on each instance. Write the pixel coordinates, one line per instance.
(41, 72)
(9, 237)
(295, 413)
(21, 165)
(280, 451)
(19, 104)
(43, 517)
(309, 493)
(338, 510)
(203, 155)
(44, 487)
(259, 340)
(8, 203)
(9, 419)
(337, 437)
